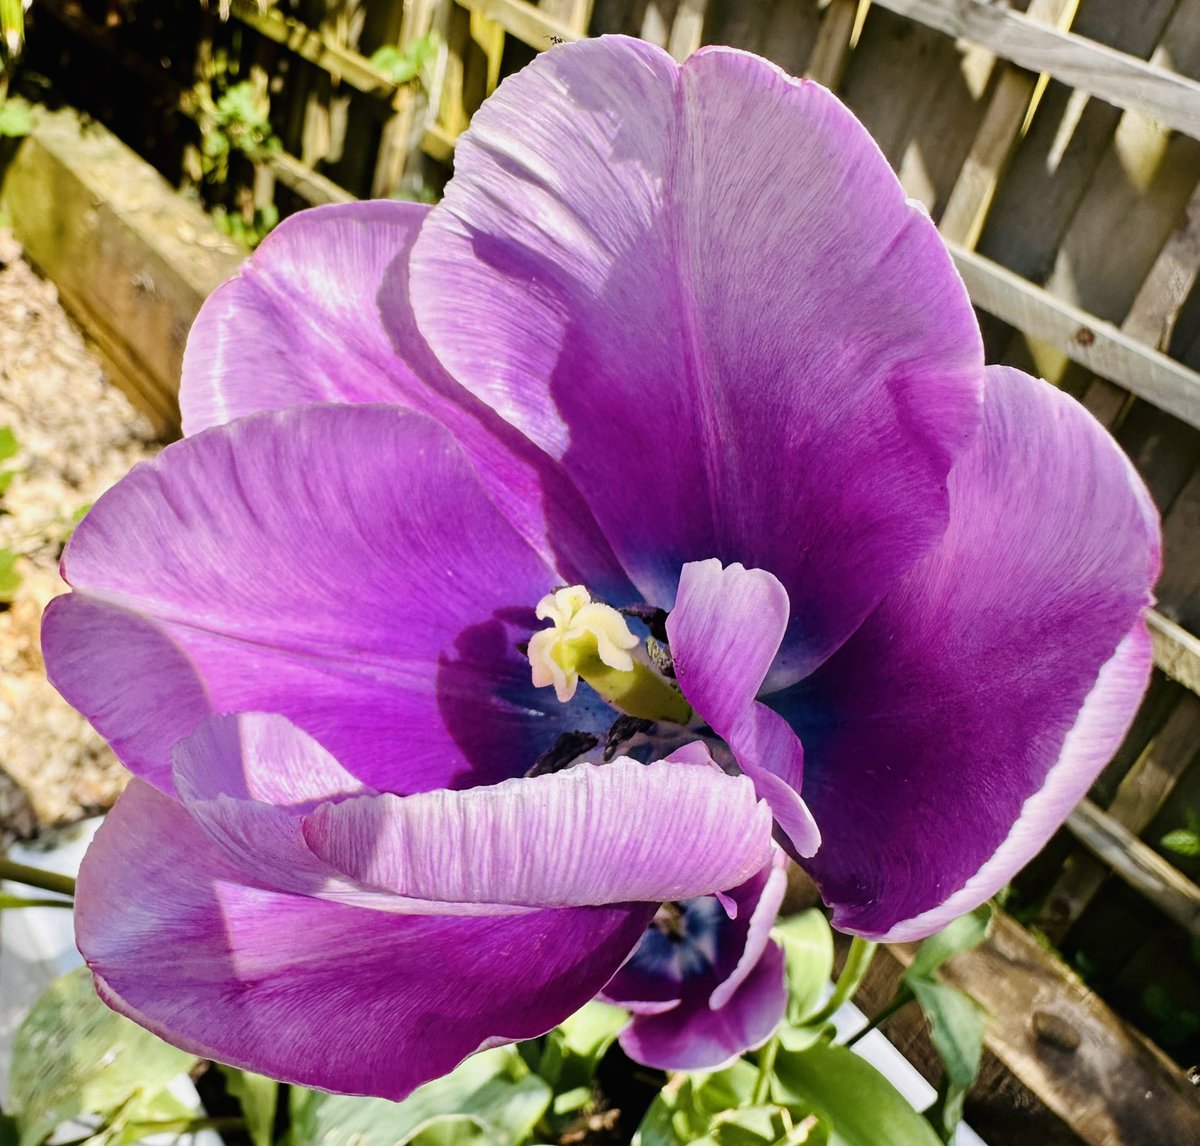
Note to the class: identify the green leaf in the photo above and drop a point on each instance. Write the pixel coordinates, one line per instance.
(491, 1098)
(965, 932)
(807, 942)
(8, 443)
(16, 119)
(1182, 841)
(570, 1054)
(750, 1126)
(801, 1038)
(258, 1097)
(8, 1131)
(687, 1106)
(10, 579)
(74, 1056)
(956, 1025)
(861, 1107)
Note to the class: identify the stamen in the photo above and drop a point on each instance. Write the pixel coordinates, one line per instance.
(591, 640)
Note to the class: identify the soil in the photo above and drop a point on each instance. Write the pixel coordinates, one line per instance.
(77, 434)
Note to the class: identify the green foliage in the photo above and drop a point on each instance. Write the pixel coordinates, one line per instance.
(72, 1056)
(10, 579)
(807, 942)
(1185, 841)
(16, 119)
(956, 1021)
(492, 1099)
(248, 233)
(12, 29)
(258, 1098)
(965, 932)
(858, 1104)
(404, 65)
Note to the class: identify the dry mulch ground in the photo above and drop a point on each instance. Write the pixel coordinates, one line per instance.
(77, 434)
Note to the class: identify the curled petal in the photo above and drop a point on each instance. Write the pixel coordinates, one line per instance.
(591, 834)
(948, 739)
(319, 993)
(797, 365)
(725, 631)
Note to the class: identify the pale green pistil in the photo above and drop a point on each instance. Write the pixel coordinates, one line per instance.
(592, 641)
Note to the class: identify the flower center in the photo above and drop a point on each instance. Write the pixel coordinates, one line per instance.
(592, 641)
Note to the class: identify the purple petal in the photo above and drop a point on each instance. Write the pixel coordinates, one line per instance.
(703, 289)
(339, 565)
(301, 322)
(312, 992)
(90, 647)
(951, 735)
(759, 901)
(725, 631)
(695, 1036)
(321, 313)
(589, 835)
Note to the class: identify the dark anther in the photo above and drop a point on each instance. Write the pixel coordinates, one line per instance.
(654, 619)
(660, 657)
(567, 748)
(523, 648)
(624, 728)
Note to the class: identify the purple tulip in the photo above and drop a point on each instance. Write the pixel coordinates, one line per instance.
(706, 983)
(675, 341)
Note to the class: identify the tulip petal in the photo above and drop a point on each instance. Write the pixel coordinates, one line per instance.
(321, 313)
(337, 564)
(694, 1036)
(951, 735)
(724, 632)
(313, 992)
(589, 835)
(703, 290)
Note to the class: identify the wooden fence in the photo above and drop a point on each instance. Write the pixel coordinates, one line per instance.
(1057, 144)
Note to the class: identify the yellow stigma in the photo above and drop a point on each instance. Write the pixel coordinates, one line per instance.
(591, 640)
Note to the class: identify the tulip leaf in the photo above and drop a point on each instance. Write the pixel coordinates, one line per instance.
(965, 932)
(73, 1056)
(860, 1106)
(258, 1097)
(491, 1098)
(568, 1056)
(807, 942)
(955, 1026)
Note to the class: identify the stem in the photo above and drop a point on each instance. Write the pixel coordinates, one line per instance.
(766, 1070)
(862, 951)
(901, 999)
(35, 877)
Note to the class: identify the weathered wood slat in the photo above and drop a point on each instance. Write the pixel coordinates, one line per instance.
(339, 61)
(1137, 864)
(834, 41)
(1097, 69)
(1176, 651)
(1062, 1042)
(521, 19)
(1099, 346)
(1012, 102)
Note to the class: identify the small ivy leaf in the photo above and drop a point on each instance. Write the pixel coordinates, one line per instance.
(1182, 841)
(8, 443)
(956, 1024)
(807, 942)
(965, 932)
